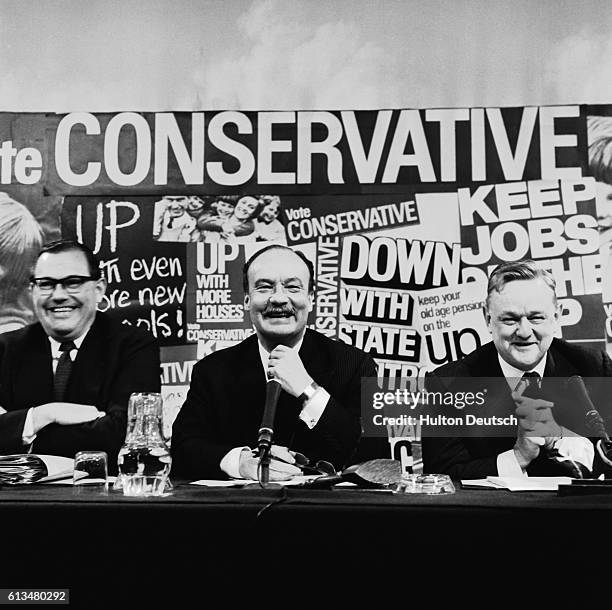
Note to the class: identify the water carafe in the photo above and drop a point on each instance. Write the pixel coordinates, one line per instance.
(144, 460)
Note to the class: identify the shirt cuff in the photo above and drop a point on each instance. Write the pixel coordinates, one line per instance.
(28, 435)
(313, 409)
(576, 448)
(603, 454)
(230, 463)
(508, 466)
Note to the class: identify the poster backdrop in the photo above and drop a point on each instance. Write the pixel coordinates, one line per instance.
(403, 213)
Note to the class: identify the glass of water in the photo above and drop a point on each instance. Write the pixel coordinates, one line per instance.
(90, 471)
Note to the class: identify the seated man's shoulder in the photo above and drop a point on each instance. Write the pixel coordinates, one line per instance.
(336, 347)
(231, 356)
(474, 364)
(114, 329)
(18, 335)
(586, 360)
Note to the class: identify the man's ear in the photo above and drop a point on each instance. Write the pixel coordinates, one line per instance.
(100, 289)
(310, 301)
(247, 302)
(557, 313)
(487, 317)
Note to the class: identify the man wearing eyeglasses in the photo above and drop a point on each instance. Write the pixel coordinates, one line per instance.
(65, 381)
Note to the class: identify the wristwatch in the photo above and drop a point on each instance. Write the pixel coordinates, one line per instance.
(308, 392)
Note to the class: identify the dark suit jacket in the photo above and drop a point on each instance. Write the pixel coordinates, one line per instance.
(225, 403)
(476, 457)
(113, 361)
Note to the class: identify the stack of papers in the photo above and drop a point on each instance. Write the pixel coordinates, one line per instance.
(26, 468)
(242, 482)
(518, 483)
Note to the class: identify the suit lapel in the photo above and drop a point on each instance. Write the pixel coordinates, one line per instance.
(88, 371)
(554, 388)
(249, 372)
(36, 372)
(499, 400)
(247, 389)
(315, 360)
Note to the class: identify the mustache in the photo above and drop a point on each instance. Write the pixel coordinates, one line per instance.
(277, 311)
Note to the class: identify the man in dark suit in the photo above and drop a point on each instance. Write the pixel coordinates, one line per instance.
(65, 381)
(318, 412)
(550, 433)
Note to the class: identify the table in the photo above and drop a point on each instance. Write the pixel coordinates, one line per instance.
(285, 548)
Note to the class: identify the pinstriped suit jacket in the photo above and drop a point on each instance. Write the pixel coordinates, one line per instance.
(225, 404)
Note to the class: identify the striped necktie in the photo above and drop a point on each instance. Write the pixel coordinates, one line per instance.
(63, 370)
(531, 384)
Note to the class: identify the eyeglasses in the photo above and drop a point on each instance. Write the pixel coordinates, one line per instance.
(72, 283)
(318, 467)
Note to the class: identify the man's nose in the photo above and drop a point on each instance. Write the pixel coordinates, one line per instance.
(278, 295)
(524, 328)
(59, 291)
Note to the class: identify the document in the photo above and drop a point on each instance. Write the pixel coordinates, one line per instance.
(58, 468)
(27, 468)
(517, 483)
(243, 482)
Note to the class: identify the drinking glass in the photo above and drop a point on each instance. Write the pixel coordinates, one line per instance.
(90, 471)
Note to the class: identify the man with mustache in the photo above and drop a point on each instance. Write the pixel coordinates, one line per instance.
(65, 381)
(318, 412)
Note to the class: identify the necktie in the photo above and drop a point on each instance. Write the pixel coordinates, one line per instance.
(62, 372)
(531, 383)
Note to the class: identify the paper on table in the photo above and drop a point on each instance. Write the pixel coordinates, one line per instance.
(518, 483)
(213, 483)
(483, 483)
(531, 483)
(58, 468)
(242, 482)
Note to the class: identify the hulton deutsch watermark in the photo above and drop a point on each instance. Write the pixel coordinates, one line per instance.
(477, 406)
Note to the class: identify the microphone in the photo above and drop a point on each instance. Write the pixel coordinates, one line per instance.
(594, 420)
(266, 429)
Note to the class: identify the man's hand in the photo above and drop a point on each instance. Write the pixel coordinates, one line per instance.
(64, 414)
(536, 422)
(281, 464)
(286, 365)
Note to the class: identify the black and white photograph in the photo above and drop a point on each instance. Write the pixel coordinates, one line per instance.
(305, 303)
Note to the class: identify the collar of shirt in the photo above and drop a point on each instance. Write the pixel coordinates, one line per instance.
(55, 347)
(513, 375)
(265, 354)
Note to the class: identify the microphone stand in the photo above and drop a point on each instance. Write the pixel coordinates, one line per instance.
(266, 432)
(265, 455)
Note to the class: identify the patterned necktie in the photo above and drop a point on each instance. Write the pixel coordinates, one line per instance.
(62, 372)
(531, 383)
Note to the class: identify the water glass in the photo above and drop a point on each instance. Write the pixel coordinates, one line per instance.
(90, 471)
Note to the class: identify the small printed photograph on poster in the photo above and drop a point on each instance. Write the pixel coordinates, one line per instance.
(233, 219)
(175, 218)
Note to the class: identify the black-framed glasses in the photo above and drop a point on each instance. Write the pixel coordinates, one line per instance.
(72, 283)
